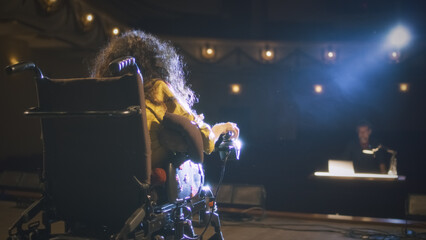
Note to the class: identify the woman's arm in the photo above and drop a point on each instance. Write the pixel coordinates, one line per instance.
(164, 94)
(174, 105)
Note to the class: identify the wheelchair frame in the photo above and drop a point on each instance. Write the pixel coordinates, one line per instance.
(169, 221)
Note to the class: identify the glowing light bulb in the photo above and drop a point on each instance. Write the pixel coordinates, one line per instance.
(89, 17)
(267, 54)
(208, 52)
(13, 60)
(115, 31)
(404, 87)
(235, 88)
(318, 89)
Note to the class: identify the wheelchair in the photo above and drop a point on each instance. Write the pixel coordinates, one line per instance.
(97, 164)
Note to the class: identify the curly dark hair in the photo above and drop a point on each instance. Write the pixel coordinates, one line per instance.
(155, 58)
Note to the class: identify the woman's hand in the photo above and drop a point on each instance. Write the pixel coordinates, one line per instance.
(222, 128)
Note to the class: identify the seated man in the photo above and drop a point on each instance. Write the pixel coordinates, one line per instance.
(365, 163)
(165, 91)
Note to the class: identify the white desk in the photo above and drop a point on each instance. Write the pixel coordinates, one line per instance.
(364, 176)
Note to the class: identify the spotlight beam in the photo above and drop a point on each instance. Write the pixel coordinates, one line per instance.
(399, 37)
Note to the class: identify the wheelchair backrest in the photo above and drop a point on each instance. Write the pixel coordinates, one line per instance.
(95, 142)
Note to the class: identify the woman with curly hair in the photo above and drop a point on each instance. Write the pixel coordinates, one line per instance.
(165, 87)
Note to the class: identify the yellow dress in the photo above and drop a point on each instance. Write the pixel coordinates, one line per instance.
(155, 113)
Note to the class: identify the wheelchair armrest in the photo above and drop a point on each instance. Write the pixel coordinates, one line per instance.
(190, 133)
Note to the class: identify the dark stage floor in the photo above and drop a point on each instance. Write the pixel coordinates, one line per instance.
(289, 227)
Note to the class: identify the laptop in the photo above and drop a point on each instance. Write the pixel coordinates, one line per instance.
(341, 167)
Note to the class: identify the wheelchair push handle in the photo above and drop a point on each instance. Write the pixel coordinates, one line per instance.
(120, 64)
(24, 66)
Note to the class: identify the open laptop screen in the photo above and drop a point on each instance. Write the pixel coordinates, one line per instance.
(340, 167)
